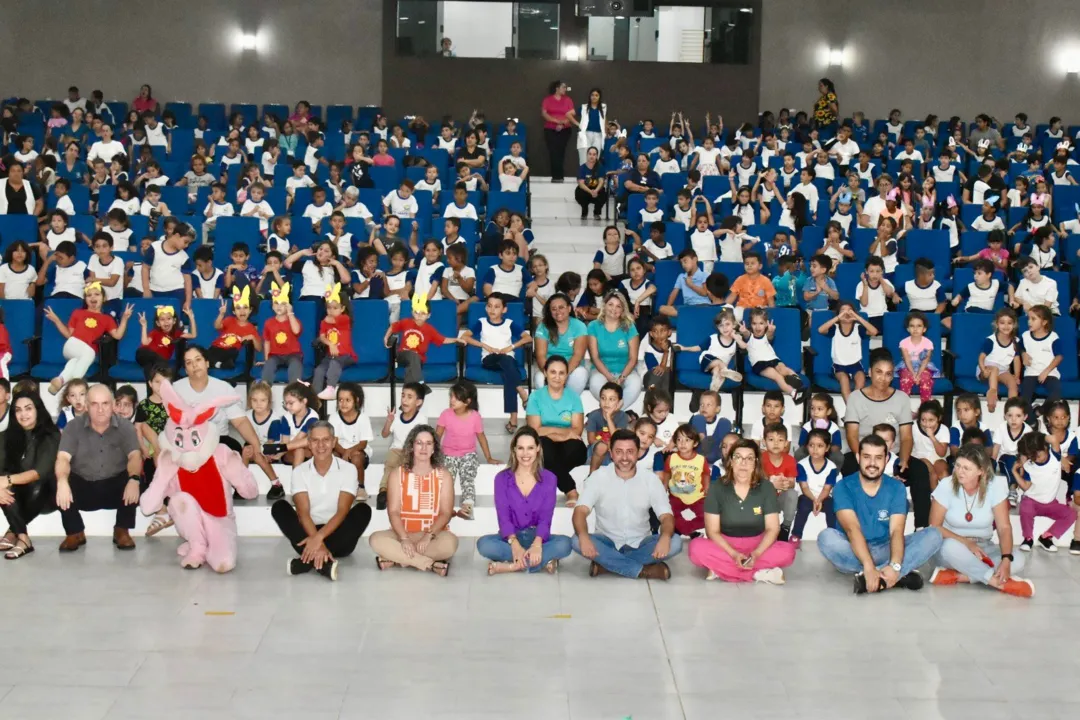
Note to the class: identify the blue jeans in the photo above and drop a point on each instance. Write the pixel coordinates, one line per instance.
(919, 547)
(496, 549)
(507, 365)
(627, 561)
(954, 554)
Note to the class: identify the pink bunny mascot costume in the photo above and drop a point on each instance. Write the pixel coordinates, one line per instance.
(198, 474)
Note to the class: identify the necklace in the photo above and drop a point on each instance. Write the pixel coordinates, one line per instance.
(968, 516)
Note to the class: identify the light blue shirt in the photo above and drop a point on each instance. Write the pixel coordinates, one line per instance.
(554, 413)
(564, 348)
(613, 346)
(689, 297)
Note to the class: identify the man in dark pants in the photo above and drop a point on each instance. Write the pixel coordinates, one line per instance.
(98, 468)
(324, 524)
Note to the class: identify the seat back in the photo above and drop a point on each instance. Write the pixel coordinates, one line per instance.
(515, 312)
(19, 319)
(896, 330)
(969, 330)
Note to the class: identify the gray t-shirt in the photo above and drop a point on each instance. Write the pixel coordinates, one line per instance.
(214, 389)
(988, 134)
(895, 411)
(594, 422)
(98, 456)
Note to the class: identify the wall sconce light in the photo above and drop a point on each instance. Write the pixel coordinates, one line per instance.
(1072, 63)
(571, 53)
(836, 58)
(250, 42)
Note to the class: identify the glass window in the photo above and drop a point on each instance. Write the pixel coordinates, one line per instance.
(466, 28)
(538, 31)
(682, 33)
(417, 27)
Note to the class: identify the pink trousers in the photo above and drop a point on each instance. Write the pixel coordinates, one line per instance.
(707, 554)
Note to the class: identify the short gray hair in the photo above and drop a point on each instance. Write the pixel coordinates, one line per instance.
(322, 425)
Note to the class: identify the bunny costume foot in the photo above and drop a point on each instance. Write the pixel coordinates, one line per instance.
(198, 475)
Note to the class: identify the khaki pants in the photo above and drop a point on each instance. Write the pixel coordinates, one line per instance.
(387, 546)
(394, 459)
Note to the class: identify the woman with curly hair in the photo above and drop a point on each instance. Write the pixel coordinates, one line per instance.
(742, 522)
(419, 505)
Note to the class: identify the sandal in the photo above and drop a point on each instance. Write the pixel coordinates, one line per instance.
(18, 551)
(441, 568)
(384, 564)
(6, 544)
(159, 523)
(571, 502)
(465, 512)
(510, 427)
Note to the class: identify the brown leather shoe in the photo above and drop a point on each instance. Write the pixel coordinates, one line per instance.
(121, 538)
(656, 571)
(73, 542)
(596, 569)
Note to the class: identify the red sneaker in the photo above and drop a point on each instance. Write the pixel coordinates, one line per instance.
(944, 576)
(1019, 587)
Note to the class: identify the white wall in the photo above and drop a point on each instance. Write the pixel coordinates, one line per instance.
(672, 21)
(950, 58)
(601, 37)
(479, 30)
(643, 39)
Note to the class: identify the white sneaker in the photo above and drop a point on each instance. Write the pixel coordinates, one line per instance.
(772, 576)
(731, 375)
(328, 393)
(361, 495)
(716, 382)
(712, 576)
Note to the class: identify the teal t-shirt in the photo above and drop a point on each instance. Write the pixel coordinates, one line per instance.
(564, 348)
(554, 413)
(614, 347)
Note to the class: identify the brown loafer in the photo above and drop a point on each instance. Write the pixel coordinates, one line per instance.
(596, 569)
(656, 571)
(73, 542)
(121, 538)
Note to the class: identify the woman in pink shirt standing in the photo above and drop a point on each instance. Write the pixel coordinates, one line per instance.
(145, 102)
(558, 111)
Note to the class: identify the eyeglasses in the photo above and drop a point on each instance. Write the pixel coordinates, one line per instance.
(743, 458)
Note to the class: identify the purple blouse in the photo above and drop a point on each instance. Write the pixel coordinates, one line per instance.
(517, 512)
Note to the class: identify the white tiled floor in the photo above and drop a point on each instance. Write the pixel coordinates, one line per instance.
(103, 634)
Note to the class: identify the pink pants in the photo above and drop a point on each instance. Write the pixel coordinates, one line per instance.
(707, 554)
(925, 381)
(1062, 515)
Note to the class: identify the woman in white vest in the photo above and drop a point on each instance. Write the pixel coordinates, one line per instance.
(16, 195)
(591, 125)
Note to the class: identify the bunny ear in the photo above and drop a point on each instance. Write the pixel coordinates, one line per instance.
(204, 416)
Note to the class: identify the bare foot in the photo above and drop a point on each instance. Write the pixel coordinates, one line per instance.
(440, 568)
(991, 400)
(498, 568)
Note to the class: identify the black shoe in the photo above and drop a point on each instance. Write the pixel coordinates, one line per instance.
(297, 566)
(596, 216)
(785, 534)
(860, 584)
(1074, 547)
(380, 500)
(276, 492)
(1026, 545)
(1048, 544)
(236, 495)
(585, 214)
(912, 581)
(329, 570)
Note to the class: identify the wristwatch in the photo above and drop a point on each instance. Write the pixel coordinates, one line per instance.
(1007, 556)
(134, 478)
(895, 566)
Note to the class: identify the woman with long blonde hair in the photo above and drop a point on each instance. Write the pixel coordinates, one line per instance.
(613, 348)
(525, 504)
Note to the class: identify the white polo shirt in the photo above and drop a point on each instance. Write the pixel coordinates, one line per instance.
(323, 490)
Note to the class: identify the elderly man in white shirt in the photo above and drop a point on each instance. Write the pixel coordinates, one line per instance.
(621, 496)
(324, 525)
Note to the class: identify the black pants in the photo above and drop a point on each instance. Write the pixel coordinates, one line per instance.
(917, 478)
(221, 358)
(557, 140)
(562, 457)
(340, 543)
(1027, 391)
(107, 494)
(31, 500)
(584, 199)
(148, 358)
(802, 514)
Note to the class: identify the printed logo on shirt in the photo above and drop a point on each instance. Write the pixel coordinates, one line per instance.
(882, 515)
(566, 416)
(281, 338)
(90, 323)
(332, 336)
(413, 340)
(757, 511)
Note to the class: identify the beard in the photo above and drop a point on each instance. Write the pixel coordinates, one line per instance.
(872, 474)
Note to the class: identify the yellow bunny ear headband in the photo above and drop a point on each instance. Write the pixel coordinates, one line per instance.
(419, 304)
(241, 298)
(333, 293)
(165, 310)
(280, 294)
(93, 286)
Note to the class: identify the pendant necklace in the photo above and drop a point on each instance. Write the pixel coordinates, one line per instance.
(968, 516)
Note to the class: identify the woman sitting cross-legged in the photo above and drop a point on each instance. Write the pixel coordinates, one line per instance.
(525, 503)
(742, 522)
(28, 485)
(967, 507)
(419, 504)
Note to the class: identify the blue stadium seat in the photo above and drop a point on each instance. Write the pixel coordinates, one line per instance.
(694, 325)
(281, 112)
(675, 234)
(370, 320)
(895, 331)
(820, 367)
(183, 146)
(969, 330)
(231, 230)
(215, 115)
(125, 368)
(337, 114)
(19, 319)
(17, 227)
(176, 197)
(52, 362)
(248, 111)
(181, 111)
(1066, 197)
(932, 245)
(787, 342)
(972, 241)
(305, 312)
(386, 179)
(847, 279)
(473, 370)
(80, 198)
(442, 360)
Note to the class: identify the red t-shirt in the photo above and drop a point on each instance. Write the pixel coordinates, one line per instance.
(90, 326)
(162, 344)
(787, 466)
(340, 332)
(557, 108)
(232, 334)
(5, 341)
(279, 338)
(416, 337)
